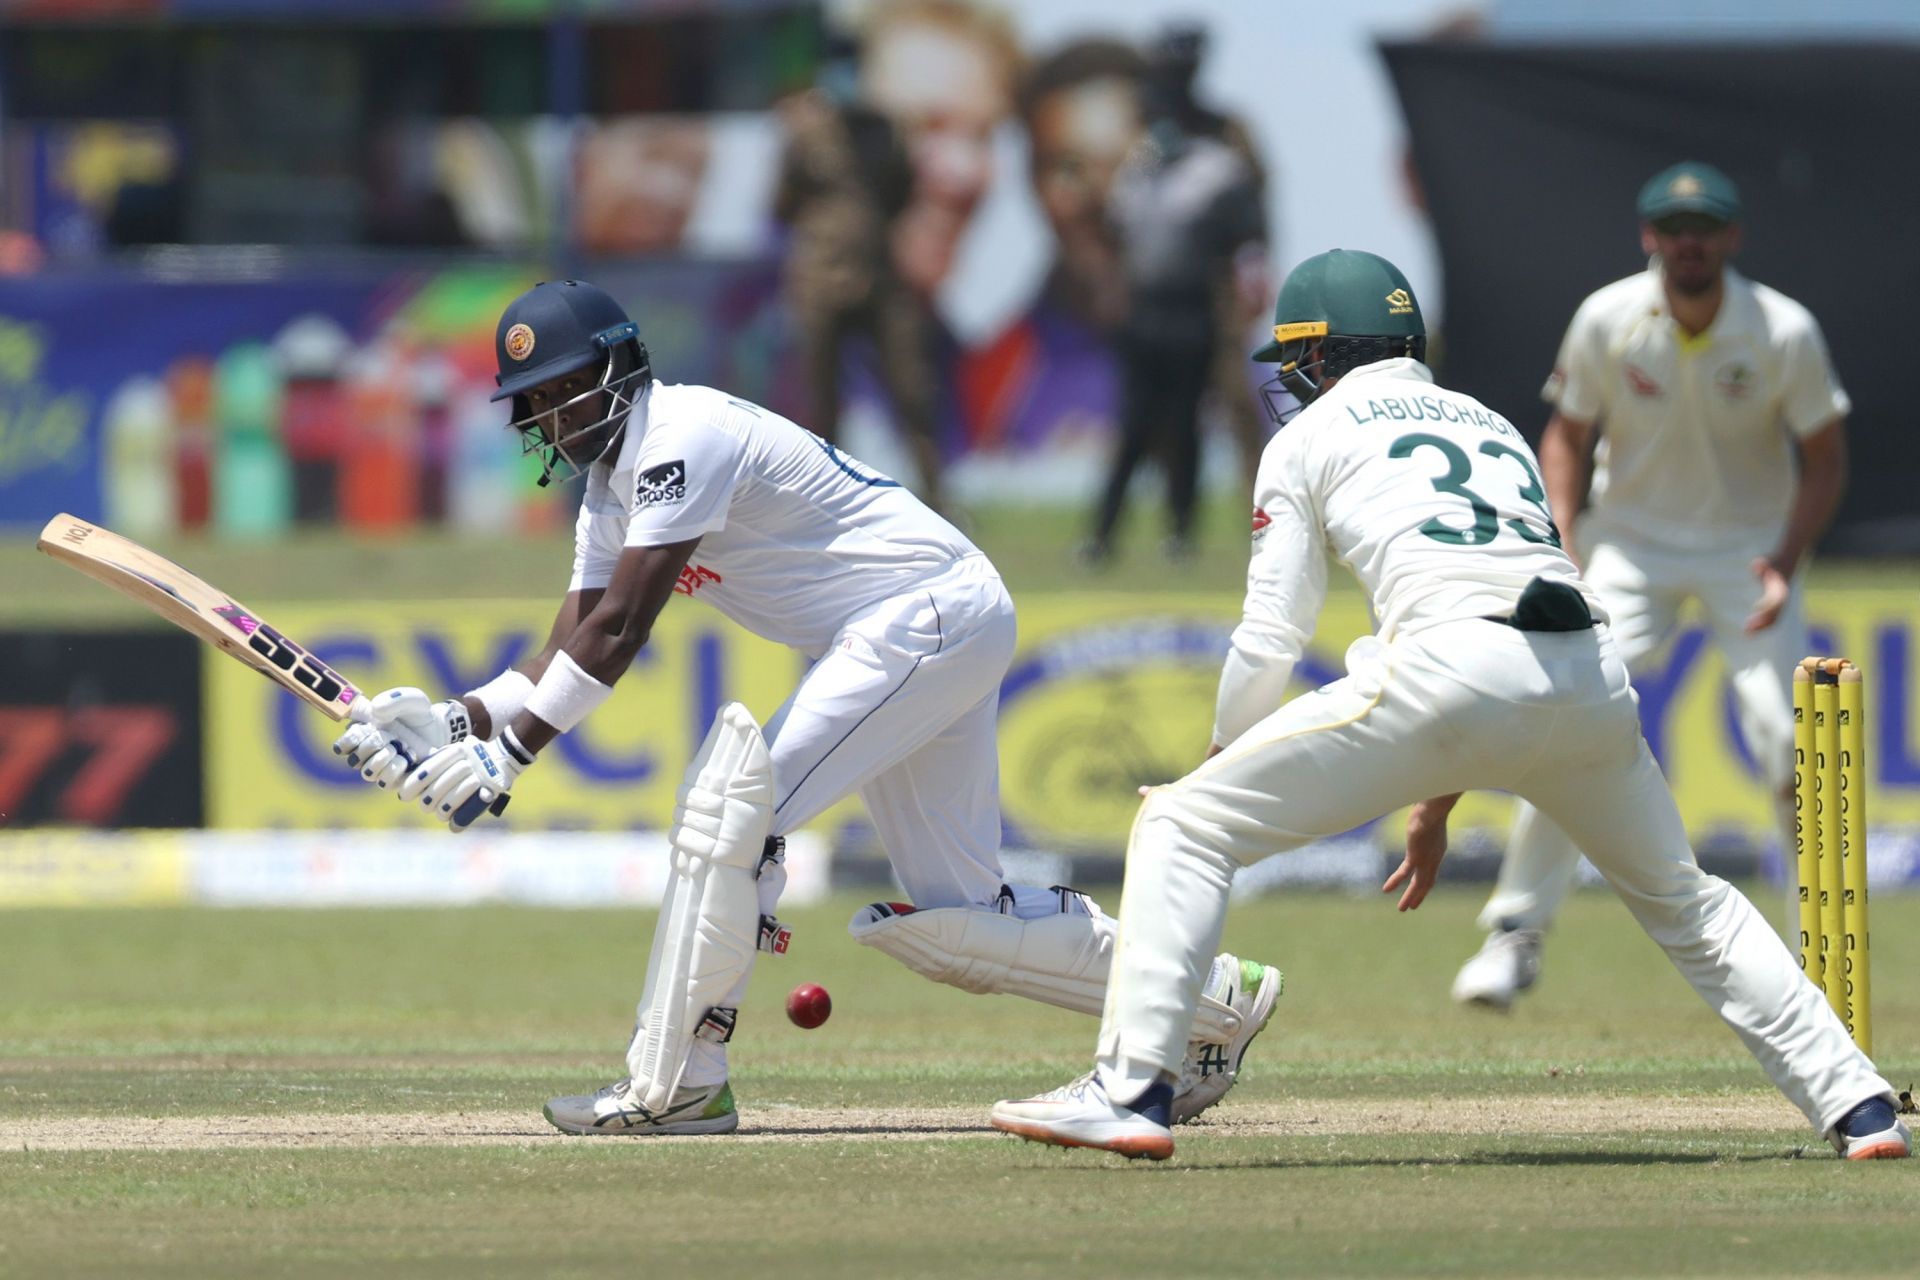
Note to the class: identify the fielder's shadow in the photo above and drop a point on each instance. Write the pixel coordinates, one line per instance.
(1475, 1159)
(864, 1131)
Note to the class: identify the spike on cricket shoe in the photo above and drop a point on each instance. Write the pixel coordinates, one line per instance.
(1871, 1131)
(1080, 1114)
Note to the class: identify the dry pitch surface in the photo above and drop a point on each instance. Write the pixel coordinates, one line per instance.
(1480, 1117)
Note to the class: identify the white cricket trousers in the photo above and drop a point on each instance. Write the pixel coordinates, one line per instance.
(904, 709)
(1458, 706)
(1643, 587)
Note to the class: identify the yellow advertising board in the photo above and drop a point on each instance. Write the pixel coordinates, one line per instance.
(69, 868)
(1107, 691)
(270, 761)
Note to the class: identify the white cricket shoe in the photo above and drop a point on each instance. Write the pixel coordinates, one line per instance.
(1871, 1131)
(1250, 988)
(1506, 964)
(614, 1109)
(1079, 1114)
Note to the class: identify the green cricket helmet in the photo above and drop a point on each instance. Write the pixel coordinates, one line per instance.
(1337, 311)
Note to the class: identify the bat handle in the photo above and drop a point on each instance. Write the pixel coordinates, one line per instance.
(470, 810)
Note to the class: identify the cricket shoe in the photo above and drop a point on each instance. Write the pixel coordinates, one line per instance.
(1250, 988)
(1507, 963)
(1080, 1114)
(614, 1109)
(1871, 1131)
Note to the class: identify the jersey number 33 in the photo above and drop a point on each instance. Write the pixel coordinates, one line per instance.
(1486, 523)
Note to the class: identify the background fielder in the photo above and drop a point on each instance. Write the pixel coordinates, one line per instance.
(1704, 411)
(1492, 667)
(692, 491)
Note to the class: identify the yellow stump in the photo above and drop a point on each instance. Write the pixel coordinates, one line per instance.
(1857, 989)
(1826, 807)
(1806, 832)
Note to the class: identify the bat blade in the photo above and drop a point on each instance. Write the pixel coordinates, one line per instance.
(196, 606)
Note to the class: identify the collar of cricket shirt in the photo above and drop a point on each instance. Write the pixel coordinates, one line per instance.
(1736, 316)
(1392, 367)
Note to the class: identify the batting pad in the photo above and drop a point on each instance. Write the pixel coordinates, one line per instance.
(710, 915)
(1059, 959)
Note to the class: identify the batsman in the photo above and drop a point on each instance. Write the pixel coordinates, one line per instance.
(1493, 667)
(695, 492)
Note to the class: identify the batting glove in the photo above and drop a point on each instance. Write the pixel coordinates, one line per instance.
(397, 729)
(458, 782)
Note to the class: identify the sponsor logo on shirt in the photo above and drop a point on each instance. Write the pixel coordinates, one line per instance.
(1734, 381)
(1638, 380)
(659, 486)
(1260, 522)
(694, 577)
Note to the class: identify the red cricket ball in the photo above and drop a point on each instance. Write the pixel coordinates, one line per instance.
(808, 1005)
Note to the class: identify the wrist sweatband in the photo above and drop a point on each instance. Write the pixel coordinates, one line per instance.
(511, 744)
(505, 696)
(566, 695)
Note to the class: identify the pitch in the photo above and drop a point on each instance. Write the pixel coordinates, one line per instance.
(289, 1093)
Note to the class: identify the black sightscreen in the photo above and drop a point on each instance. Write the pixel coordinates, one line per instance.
(1530, 159)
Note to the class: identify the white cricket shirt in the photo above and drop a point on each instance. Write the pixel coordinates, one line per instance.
(1695, 433)
(1433, 501)
(795, 536)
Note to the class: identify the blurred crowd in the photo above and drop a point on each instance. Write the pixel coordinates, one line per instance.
(846, 162)
(1154, 200)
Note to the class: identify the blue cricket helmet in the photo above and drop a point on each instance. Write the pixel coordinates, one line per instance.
(560, 327)
(556, 327)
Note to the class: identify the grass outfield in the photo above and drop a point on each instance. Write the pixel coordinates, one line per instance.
(196, 1092)
(1032, 546)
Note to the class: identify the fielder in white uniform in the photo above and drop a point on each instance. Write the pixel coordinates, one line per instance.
(690, 490)
(1493, 667)
(1705, 412)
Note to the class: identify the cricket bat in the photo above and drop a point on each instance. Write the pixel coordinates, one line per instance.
(196, 606)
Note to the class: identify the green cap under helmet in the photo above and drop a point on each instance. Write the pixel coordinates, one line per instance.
(1355, 306)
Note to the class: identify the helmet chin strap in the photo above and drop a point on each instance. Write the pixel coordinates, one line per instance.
(612, 445)
(1296, 376)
